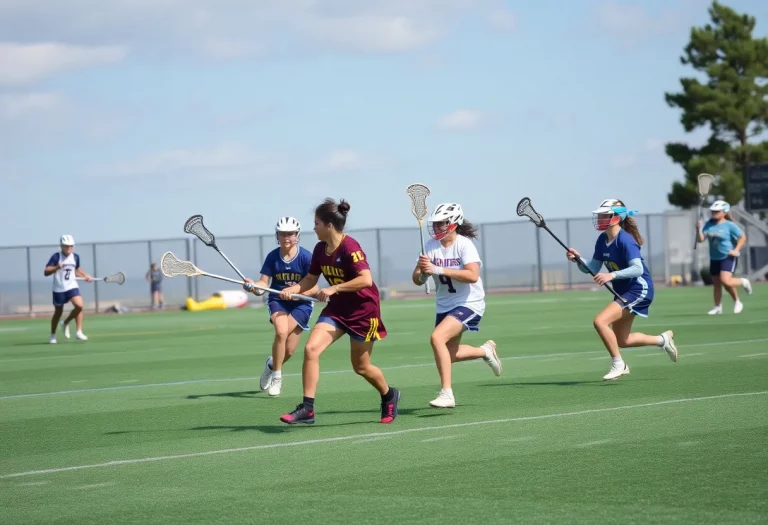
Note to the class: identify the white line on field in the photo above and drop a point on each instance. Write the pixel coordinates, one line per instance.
(95, 485)
(754, 355)
(14, 329)
(439, 438)
(121, 462)
(348, 371)
(594, 443)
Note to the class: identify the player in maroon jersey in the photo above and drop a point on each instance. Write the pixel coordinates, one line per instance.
(353, 308)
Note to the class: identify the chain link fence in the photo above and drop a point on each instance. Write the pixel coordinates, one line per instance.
(516, 256)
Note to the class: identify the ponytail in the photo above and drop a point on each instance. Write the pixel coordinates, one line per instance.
(467, 229)
(728, 216)
(630, 226)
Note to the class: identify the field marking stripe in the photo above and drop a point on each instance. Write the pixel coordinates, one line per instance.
(397, 367)
(373, 435)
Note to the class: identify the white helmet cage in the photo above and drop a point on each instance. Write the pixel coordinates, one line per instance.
(447, 212)
(288, 224)
(720, 205)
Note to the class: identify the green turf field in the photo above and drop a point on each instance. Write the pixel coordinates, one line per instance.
(158, 419)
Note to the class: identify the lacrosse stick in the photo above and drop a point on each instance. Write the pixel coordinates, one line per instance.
(194, 225)
(172, 266)
(118, 278)
(418, 194)
(705, 184)
(525, 209)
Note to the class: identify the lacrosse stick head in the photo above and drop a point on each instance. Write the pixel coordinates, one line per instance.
(118, 278)
(705, 181)
(525, 209)
(194, 225)
(418, 194)
(172, 266)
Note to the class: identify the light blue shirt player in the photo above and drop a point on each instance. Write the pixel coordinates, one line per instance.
(631, 278)
(723, 237)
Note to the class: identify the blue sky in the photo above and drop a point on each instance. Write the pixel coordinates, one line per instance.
(137, 114)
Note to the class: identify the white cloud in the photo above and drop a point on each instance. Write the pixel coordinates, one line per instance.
(624, 161)
(180, 161)
(503, 19)
(24, 105)
(26, 63)
(373, 33)
(633, 23)
(461, 120)
(654, 145)
(341, 161)
(237, 28)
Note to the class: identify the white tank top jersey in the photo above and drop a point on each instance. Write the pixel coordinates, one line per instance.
(64, 278)
(450, 293)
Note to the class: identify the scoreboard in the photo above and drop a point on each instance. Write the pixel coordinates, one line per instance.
(756, 187)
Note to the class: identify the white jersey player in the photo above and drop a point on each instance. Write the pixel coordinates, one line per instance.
(454, 263)
(65, 267)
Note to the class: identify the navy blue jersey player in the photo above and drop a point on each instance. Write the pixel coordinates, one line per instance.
(284, 266)
(618, 249)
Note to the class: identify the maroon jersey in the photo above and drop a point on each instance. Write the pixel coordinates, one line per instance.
(359, 312)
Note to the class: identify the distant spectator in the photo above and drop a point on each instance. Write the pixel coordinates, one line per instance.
(155, 278)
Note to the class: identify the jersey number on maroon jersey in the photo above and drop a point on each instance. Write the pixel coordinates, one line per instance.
(447, 281)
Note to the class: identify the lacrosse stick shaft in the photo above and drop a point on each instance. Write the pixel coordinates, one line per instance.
(607, 285)
(230, 263)
(221, 277)
(701, 217)
(423, 252)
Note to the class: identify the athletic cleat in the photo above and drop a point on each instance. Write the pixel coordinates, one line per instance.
(299, 415)
(717, 310)
(491, 357)
(80, 335)
(747, 285)
(266, 376)
(275, 386)
(52, 340)
(615, 373)
(389, 408)
(444, 399)
(669, 345)
(738, 307)
(66, 329)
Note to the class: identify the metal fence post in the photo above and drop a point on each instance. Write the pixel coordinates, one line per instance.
(194, 259)
(665, 240)
(149, 253)
(95, 284)
(568, 242)
(29, 280)
(189, 258)
(538, 260)
(482, 256)
(380, 277)
(648, 238)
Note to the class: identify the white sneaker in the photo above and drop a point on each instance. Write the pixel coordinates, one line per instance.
(747, 285)
(52, 339)
(80, 335)
(491, 357)
(275, 386)
(669, 345)
(616, 372)
(737, 307)
(66, 329)
(266, 377)
(444, 399)
(717, 310)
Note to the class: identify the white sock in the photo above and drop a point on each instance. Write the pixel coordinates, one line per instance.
(448, 391)
(660, 341)
(277, 374)
(269, 362)
(618, 362)
(743, 282)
